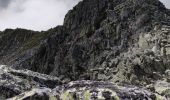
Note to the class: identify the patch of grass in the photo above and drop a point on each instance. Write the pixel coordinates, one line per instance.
(35, 40)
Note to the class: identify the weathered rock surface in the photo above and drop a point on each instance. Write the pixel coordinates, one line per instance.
(25, 84)
(14, 82)
(90, 90)
(163, 88)
(119, 41)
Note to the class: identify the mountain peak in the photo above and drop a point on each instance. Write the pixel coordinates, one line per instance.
(93, 12)
(120, 41)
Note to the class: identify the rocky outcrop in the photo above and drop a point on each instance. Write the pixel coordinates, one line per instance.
(25, 84)
(163, 88)
(121, 41)
(98, 40)
(14, 82)
(90, 90)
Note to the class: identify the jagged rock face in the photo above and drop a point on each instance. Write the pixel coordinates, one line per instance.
(122, 41)
(98, 40)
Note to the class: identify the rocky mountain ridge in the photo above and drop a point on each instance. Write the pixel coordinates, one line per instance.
(76, 48)
(126, 42)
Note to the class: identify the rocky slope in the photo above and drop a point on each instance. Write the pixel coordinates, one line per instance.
(15, 43)
(29, 85)
(21, 44)
(105, 40)
(119, 41)
(87, 90)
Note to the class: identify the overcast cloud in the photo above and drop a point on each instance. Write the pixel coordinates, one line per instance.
(36, 14)
(166, 3)
(4, 3)
(33, 14)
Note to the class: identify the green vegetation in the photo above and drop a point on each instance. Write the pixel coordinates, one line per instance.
(87, 95)
(35, 40)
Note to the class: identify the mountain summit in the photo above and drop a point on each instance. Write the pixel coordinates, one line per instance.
(126, 42)
(95, 32)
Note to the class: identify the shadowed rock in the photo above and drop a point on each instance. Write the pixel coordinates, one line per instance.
(119, 41)
(14, 82)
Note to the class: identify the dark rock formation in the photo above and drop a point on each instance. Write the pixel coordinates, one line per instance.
(122, 41)
(98, 40)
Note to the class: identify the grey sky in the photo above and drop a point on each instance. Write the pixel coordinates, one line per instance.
(33, 14)
(4, 3)
(166, 3)
(36, 14)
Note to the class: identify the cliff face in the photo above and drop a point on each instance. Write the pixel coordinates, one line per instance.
(101, 39)
(121, 41)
